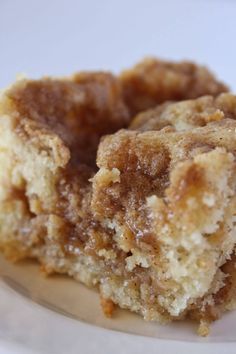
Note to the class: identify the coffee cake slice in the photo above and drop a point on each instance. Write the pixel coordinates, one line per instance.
(169, 197)
(49, 131)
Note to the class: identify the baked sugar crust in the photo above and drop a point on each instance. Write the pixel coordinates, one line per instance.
(153, 81)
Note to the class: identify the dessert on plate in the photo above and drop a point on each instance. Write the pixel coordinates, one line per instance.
(143, 208)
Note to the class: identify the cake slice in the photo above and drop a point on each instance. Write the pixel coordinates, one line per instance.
(169, 198)
(151, 226)
(149, 198)
(49, 132)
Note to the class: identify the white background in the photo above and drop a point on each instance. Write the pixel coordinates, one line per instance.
(59, 37)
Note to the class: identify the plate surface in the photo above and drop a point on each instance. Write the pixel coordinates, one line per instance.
(58, 315)
(70, 318)
(67, 297)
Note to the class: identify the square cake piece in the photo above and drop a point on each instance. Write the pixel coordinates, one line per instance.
(143, 224)
(50, 130)
(170, 199)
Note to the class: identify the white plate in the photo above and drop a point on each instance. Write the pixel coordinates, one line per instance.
(60, 324)
(58, 315)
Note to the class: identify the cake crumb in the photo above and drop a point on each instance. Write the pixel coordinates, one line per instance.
(204, 329)
(108, 306)
(46, 270)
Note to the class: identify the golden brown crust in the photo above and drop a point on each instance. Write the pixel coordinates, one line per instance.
(152, 155)
(187, 114)
(79, 110)
(153, 81)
